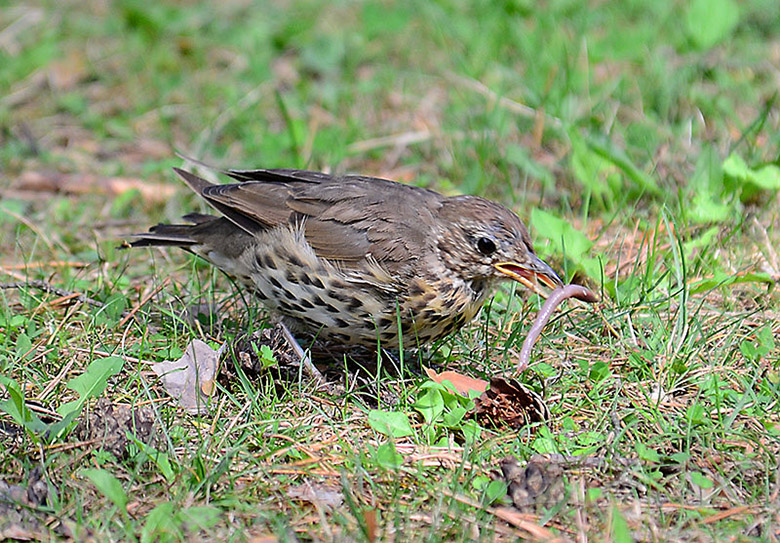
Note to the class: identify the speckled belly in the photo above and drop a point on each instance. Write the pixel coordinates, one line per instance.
(362, 307)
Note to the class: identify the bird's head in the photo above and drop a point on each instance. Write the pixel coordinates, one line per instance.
(484, 241)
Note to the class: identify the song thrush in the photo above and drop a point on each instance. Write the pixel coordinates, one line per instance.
(356, 259)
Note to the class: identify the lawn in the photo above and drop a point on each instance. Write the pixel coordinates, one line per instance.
(639, 141)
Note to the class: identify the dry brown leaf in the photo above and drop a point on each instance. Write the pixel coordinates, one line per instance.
(462, 383)
(320, 495)
(369, 515)
(190, 379)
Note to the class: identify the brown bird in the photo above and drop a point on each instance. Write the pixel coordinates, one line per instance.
(357, 260)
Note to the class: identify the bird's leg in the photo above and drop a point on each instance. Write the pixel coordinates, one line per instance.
(308, 366)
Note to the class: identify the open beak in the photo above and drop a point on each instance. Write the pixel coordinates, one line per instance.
(528, 274)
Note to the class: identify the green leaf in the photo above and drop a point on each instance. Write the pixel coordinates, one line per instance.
(593, 494)
(160, 459)
(695, 413)
(750, 180)
(749, 351)
(590, 169)
(766, 339)
(562, 236)
(680, 457)
(620, 159)
(387, 457)
(115, 306)
(390, 423)
(23, 346)
(472, 431)
(707, 208)
(647, 454)
(158, 522)
(711, 21)
(430, 405)
(454, 417)
(91, 383)
(545, 445)
(764, 345)
(700, 480)
(16, 407)
(620, 531)
(108, 485)
(201, 516)
(703, 240)
(599, 371)
(495, 490)
(721, 279)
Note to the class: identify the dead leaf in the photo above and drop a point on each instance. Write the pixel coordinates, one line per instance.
(52, 181)
(320, 495)
(369, 515)
(462, 383)
(509, 403)
(190, 379)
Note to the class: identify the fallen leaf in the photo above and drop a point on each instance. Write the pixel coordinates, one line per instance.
(369, 515)
(320, 495)
(462, 383)
(509, 403)
(190, 379)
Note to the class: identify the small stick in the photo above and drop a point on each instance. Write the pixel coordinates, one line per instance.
(46, 287)
(308, 366)
(143, 301)
(555, 298)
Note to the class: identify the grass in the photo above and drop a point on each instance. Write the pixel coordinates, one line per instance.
(640, 142)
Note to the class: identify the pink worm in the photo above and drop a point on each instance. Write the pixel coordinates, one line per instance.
(555, 298)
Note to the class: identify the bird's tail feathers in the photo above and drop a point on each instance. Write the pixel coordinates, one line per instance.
(174, 235)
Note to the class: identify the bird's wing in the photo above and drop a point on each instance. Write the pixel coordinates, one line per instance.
(344, 219)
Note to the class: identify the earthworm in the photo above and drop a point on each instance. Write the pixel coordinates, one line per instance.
(555, 298)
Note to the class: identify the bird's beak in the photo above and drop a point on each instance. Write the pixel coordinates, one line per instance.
(527, 274)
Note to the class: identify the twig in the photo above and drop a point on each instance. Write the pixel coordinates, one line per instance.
(50, 264)
(308, 366)
(46, 287)
(143, 302)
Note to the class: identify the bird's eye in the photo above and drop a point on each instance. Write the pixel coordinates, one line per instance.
(486, 246)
